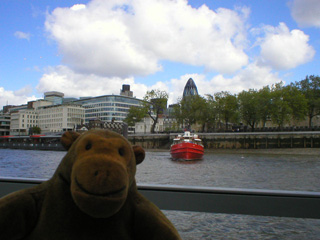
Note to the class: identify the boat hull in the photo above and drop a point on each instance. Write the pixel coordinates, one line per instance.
(187, 151)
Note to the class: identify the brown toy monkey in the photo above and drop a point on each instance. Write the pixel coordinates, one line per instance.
(92, 195)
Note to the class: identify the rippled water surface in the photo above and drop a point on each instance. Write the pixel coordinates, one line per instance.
(253, 171)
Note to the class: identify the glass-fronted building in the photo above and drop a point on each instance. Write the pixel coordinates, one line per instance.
(107, 108)
(190, 89)
(4, 123)
(54, 97)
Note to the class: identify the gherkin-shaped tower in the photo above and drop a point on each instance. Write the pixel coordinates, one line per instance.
(190, 89)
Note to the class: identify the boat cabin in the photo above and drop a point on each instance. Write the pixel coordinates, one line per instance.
(187, 137)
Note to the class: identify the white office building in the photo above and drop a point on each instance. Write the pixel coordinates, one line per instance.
(60, 118)
(22, 121)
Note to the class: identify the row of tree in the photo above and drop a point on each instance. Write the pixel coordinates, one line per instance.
(279, 103)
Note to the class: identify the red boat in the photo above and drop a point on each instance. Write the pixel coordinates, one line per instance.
(187, 147)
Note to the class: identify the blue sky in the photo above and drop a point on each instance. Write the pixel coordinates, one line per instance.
(91, 48)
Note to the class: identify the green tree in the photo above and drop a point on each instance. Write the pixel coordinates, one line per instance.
(187, 117)
(248, 107)
(227, 107)
(211, 114)
(264, 104)
(36, 130)
(310, 88)
(296, 101)
(135, 114)
(192, 110)
(177, 112)
(281, 112)
(155, 102)
(287, 103)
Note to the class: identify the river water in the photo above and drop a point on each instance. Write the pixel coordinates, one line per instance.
(218, 169)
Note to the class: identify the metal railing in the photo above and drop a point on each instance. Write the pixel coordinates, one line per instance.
(298, 204)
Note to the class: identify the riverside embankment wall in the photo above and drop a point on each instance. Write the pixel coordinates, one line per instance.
(259, 140)
(267, 140)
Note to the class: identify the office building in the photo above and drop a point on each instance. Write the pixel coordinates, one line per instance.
(190, 89)
(54, 97)
(107, 108)
(60, 118)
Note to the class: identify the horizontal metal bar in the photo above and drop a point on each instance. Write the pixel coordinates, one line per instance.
(299, 204)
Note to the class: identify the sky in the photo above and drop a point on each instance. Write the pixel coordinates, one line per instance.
(90, 48)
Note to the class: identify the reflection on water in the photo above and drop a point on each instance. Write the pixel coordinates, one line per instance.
(253, 171)
(29, 164)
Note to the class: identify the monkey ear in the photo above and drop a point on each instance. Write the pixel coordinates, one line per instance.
(139, 154)
(68, 138)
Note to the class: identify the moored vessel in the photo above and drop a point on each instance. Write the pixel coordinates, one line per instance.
(187, 147)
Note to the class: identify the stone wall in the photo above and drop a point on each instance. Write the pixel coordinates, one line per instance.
(210, 141)
(236, 140)
(261, 140)
(151, 141)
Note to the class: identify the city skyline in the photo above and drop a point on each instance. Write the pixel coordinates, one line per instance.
(91, 48)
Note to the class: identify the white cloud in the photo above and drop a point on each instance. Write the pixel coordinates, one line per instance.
(22, 35)
(26, 91)
(127, 38)
(283, 49)
(21, 96)
(175, 31)
(104, 44)
(72, 84)
(78, 7)
(306, 12)
(252, 77)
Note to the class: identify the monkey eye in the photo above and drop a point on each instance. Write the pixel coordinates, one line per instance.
(121, 152)
(88, 146)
